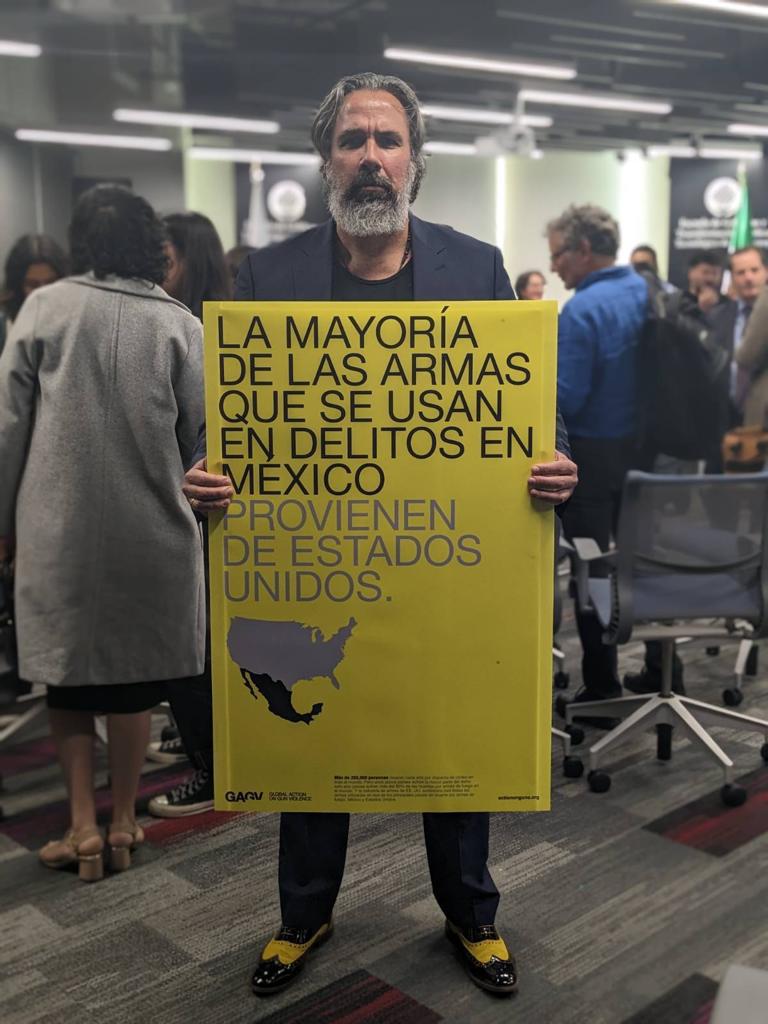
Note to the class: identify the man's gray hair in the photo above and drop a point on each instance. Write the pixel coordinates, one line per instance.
(590, 223)
(328, 112)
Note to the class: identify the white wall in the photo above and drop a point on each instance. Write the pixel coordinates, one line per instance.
(35, 192)
(460, 191)
(158, 177)
(17, 202)
(209, 188)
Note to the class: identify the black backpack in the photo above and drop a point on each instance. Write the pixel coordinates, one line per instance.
(682, 376)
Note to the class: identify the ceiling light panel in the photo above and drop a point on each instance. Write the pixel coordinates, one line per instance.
(94, 139)
(476, 115)
(748, 129)
(592, 101)
(504, 67)
(705, 152)
(208, 122)
(452, 148)
(10, 48)
(726, 7)
(252, 156)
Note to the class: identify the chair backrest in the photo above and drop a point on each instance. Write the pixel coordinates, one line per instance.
(691, 547)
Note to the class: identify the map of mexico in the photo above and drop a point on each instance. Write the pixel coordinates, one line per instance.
(274, 656)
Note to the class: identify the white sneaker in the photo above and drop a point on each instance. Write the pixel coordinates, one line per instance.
(167, 751)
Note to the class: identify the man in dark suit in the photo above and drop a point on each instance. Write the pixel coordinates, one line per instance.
(729, 322)
(369, 133)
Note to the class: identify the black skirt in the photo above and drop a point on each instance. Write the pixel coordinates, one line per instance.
(107, 699)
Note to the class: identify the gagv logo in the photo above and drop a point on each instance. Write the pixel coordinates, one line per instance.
(241, 796)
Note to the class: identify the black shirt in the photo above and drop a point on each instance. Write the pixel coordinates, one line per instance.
(345, 287)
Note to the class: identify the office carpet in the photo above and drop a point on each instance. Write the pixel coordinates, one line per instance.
(355, 997)
(622, 908)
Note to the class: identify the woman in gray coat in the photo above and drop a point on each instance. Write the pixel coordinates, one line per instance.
(101, 398)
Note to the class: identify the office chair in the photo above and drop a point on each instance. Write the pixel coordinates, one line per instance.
(572, 735)
(691, 561)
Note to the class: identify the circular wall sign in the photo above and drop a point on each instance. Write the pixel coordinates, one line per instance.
(287, 201)
(722, 197)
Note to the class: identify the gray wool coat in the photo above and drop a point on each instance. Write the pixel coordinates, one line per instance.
(101, 399)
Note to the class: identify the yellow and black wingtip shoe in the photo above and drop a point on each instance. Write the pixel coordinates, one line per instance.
(284, 956)
(485, 957)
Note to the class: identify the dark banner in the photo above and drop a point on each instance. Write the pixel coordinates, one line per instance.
(705, 198)
(277, 201)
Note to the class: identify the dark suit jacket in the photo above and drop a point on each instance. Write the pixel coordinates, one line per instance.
(753, 356)
(723, 320)
(447, 267)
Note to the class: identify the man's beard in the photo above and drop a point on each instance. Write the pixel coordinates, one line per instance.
(360, 213)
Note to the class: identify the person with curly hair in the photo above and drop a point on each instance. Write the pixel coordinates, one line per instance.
(101, 400)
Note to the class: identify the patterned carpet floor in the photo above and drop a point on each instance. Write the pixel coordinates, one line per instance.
(622, 908)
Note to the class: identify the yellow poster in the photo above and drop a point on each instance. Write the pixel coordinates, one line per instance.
(381, 585)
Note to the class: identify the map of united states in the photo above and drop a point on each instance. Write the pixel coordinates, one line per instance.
(274, 656)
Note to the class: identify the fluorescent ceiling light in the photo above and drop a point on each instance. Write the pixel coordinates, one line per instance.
(207, 121)
(727, 7)
(457, 148)
(504, 67)
(595, 101)
(705, 152)
(467, 149)
(252, 156)
(729, 153)
(92, 139)
(10, 48)
(678, 151)
(476, 115)
(748, 129)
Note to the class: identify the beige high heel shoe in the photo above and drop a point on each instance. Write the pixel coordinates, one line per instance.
(122, 838)
(84, 848)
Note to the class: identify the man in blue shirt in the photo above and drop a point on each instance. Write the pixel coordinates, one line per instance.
(599, 330)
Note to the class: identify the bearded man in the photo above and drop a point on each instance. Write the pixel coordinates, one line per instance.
(370, 135)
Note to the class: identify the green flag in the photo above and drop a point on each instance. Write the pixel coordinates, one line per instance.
(741, 232)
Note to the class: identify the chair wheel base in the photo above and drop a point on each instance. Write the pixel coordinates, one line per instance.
(732, 697)
(561, 680)
(599, 782)
(573, 767)
(750, 669)
(733, 795)
(577, 734)
(664, 742)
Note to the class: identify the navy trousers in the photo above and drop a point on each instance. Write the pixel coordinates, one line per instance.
(313, 850)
